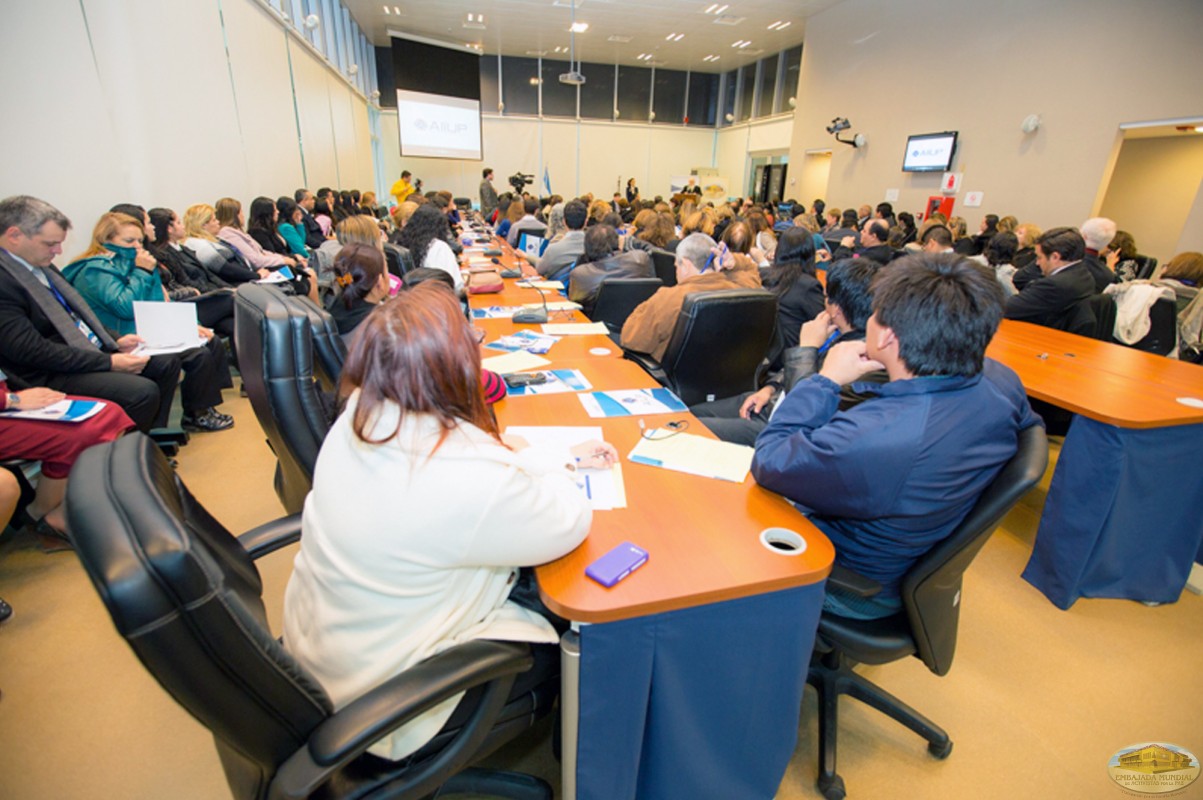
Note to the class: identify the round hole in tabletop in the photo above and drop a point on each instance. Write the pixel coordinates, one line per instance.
(783, 541)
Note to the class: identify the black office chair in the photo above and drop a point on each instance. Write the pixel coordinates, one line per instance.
(186, 596)
(275, 338)
(618, 297)
(718, 345)
(665, 264)
(1145, 267)
(1162, 337)
(399, 260)
(329, 349)
(1093, 317)
(926, 628)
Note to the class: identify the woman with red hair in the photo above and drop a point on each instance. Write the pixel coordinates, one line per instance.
(421, 515)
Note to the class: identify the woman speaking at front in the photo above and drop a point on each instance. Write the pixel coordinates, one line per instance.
(420, 515)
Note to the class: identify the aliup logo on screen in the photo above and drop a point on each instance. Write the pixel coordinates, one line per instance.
(1153, 767)
(440, 126)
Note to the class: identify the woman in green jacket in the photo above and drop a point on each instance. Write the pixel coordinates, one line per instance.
(115, 271)
(290, 226)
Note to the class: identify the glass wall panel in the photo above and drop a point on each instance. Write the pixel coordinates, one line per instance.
(634, 93)
(747, 85)
(668, 101)
(559, 99)
(793, 68)
(729, 91)
(597, 95)
(768, 84)
(520, 85)
(490, 90)
(703, 98)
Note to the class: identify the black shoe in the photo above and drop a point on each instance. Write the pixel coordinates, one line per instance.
(207, 420)
(6, 610)
(222, 416)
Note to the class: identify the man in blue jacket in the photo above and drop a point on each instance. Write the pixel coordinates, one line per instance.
(889, 478)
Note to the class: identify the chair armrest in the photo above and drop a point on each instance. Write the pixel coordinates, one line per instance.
(350, 731)
(650, 365)
(851, 582)
(271, 536)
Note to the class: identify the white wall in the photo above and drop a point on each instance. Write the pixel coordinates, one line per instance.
(110, 101)
(980, 67)
(590, 155)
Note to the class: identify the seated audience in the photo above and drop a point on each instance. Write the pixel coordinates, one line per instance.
(998, 255)
(873, 236)
(397, 562)
(221, 260)
(363, 283)
(1097, 232)
(355, 229)
(741, 418)
(115, 272)
(792, 278)
(602, 259)
(56, 445)
(528, 222)
(906, 221)
(563, 253)
(307, 202)
(50, 337)
(323, 211)
(229, 216)
(263, 225)
(1120, 256)
(180, 268)
(290, 225)
(1054, 299)
(1026, 234)
(425, 235)
(894, 475)
(700, 268)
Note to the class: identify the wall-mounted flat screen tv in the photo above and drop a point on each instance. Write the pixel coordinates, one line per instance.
(930, 152)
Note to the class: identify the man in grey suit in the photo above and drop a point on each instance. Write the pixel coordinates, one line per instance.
(488, 195)
(561, 254)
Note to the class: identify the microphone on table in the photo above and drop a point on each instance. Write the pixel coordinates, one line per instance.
(535, 316)
(507, 272)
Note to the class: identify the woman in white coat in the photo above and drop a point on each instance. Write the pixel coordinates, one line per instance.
(421, 515)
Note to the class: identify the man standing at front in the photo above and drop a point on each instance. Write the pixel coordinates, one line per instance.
(889, 478)
(402, 189)
(488, 195)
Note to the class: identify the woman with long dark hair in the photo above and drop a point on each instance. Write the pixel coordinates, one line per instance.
(362, 282)
(792, 278)
(421, 516)
(426, 235)
(182, 272)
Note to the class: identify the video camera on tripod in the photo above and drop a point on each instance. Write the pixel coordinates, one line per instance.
(520, 181)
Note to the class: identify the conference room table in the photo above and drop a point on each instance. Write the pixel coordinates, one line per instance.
(1122, 518)
(691, 670)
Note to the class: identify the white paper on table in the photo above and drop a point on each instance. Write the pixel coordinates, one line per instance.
(542, 284)
(513, 362)
(570, 328)
(604, 487)
(631, 403)
(696, 455)
(166, 327)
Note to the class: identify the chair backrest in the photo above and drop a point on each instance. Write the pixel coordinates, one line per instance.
(400, 261)
(186, 597)
(931, 591)
(665, 264)
(719, 342)
(1162, 337)
(329, 348)
(1145, 267)
(618, 297)
(275, 349)
(1093, 316)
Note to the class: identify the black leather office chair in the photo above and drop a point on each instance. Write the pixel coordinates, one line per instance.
(926, 628)
(718, 345)
(186, 596)
(618, 297)
(275, 338)
(665, 264)
(1162, 337)
(1145, 267)
(1093, 317)
(399, 260)
(329, 349)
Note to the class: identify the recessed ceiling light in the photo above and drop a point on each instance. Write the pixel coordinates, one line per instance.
(779, 25)
(579, 27)
(711, 58)
(674, 37)
(475, 21)
(396, 11)
(386, 11)
(741, 43)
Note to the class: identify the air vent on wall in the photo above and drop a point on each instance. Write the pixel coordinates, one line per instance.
(728, 19)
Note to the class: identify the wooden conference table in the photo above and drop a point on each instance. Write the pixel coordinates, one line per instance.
(1122, 518)
(692, 668)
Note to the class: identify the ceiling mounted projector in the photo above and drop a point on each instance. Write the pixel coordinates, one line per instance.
(572, 78)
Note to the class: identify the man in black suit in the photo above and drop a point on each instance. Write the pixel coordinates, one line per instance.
(1056, 299)
(872, 244)
(692, 188)
(49, 336)
(314, 238)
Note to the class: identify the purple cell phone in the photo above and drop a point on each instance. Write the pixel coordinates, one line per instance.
(617, 564)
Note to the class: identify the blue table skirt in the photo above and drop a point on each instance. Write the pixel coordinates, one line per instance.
(698, 703)
(1124, 516)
